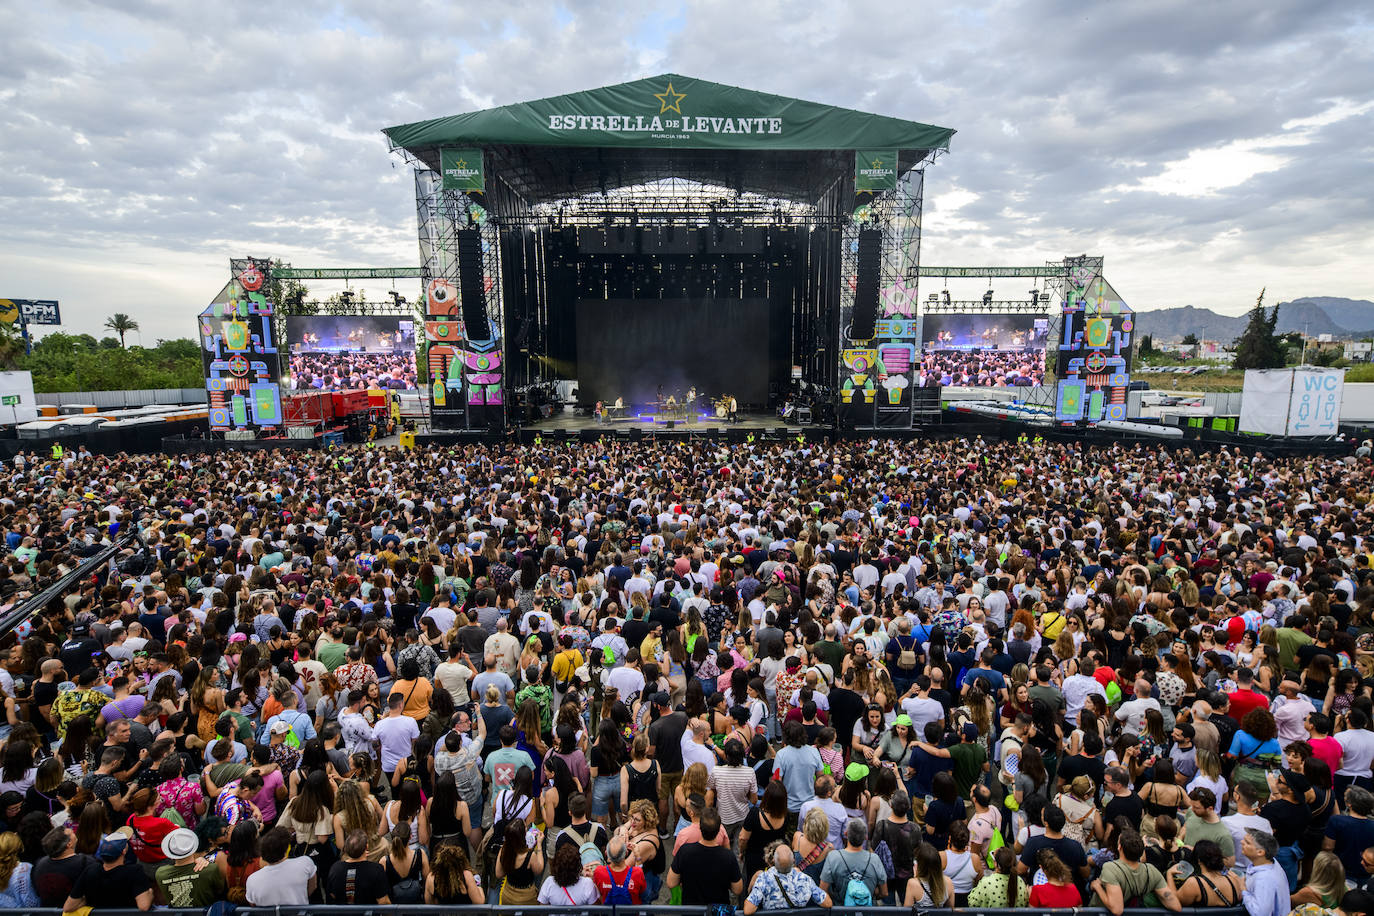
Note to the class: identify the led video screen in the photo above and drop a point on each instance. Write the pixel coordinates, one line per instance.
(635, 348)
(983, 350)
(348, 352)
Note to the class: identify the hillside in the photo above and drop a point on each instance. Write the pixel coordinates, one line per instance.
(1311, 314)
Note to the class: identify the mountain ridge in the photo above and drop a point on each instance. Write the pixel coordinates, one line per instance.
(1312, 315)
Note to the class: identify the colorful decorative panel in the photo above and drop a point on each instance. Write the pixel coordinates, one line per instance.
(239, 351)
(1094, 350)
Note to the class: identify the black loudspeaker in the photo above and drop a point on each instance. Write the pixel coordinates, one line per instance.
(471, 284)
(865, 321)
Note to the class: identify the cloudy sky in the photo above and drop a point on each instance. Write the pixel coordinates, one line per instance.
(1205, 150)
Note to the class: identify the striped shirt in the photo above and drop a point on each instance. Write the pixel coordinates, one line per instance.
(732, 786)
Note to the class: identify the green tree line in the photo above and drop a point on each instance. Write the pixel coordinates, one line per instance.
(79, 362)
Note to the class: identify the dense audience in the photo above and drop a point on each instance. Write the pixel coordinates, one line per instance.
(929, 674)
(981, 368)
(335, 371)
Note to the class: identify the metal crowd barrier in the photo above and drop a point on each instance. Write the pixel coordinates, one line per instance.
(423, 910)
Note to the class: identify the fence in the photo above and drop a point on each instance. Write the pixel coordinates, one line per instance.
(112, 400)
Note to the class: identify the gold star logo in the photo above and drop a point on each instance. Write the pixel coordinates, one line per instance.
(669, 100)
(461, 164)
(877, 163)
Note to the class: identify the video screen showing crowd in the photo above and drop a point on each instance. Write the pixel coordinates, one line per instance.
(983, 351)
(349, 352)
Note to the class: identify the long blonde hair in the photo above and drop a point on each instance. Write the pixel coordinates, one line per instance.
(1328, 875)
(10, 847)
(694, 780)
(351, 805)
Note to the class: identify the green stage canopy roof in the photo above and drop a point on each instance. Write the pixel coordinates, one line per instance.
(647, 128)
(672, 111)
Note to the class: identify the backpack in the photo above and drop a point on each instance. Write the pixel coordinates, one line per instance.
(497, 838)
(856, 892)
(408, 889)
(619, 894)
(906, 659)
(884, 854)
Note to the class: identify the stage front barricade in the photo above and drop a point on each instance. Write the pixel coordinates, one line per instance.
(423, 910)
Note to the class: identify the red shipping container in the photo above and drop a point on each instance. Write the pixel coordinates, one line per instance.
(347, 403)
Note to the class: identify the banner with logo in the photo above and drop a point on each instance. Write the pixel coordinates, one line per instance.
(462, 170)
(875, 170)
(672, 110)
(36, 311)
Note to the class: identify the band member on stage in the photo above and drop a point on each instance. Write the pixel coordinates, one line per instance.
(597, 412)
(731, 408)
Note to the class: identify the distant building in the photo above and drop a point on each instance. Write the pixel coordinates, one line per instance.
(1358, 351)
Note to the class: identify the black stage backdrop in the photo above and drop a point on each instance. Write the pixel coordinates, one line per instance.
(629, 347)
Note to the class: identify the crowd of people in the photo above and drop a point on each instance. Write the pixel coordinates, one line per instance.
(930, 674)
(981, 368)
(342, 371)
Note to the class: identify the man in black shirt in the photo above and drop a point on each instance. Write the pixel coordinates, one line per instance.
(581, 830)
(707, 871)
(108, 883)
(1069, 851)
(54, 874)
(76, 653)
(1086, 762)
(1121, 801)
(846, 708)
(665, 745)
(353, 880)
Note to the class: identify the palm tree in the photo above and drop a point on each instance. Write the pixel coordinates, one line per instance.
(121, 324)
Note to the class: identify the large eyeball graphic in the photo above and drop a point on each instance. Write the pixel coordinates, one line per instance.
(251, 279)
(442, 296)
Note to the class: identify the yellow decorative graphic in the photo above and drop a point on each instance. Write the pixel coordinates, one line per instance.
(669, 100)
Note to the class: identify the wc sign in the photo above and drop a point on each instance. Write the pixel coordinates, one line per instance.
(1315, 409)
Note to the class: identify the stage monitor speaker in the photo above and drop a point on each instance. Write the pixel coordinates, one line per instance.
(669, 423)
(471, 285)
(865, 321)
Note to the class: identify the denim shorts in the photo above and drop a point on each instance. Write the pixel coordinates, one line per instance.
(605, 795)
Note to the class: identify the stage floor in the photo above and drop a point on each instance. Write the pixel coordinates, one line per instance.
(649, 421)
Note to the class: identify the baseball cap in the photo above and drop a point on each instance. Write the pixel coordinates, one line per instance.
(970, 730)
(855, 772)
(660, 699)
(112, 847)
(180, 843)
(280, 727)
(903, 719)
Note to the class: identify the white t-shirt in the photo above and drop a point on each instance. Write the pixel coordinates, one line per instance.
(1357, 751)
(395, 733)
(443, 617)
(922, 711)
(454, 677)
(284, 884)
(583, 892)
